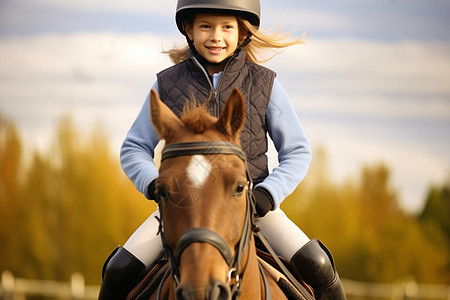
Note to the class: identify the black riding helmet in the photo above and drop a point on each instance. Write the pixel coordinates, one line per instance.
(247, 9)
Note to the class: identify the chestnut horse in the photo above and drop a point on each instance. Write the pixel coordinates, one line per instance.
(206, 207)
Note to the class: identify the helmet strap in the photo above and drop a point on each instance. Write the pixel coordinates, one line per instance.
(246, 41)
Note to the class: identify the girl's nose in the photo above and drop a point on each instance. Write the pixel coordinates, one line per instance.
(216, 35)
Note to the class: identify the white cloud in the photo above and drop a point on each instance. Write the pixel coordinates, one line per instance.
(94, 77)
(155, 7)
(401, 79)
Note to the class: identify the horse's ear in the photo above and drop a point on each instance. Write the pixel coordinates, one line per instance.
(232, 118)
(163, 118)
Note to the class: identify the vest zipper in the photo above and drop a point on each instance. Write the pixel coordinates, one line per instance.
(212, 94)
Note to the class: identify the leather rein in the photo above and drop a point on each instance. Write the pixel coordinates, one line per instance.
(205, 235)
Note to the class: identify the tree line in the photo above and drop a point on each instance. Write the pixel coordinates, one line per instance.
(64, 210)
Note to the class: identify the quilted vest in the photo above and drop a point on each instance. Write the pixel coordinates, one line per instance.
(189, 80)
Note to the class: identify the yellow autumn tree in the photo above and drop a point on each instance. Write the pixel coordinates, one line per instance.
(360, 221)
(72, 207)
(10, 190)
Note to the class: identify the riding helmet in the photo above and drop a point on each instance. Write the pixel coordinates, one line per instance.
(248, 9)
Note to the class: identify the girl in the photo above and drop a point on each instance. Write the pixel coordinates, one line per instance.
(223, 43)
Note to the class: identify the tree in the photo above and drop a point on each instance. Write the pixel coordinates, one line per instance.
(437, 209)
(360, 221)
(68, 209)
(10, 190)
(70, 206)
(435, 223)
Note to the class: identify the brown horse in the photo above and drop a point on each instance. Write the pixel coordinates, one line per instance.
(204, 195)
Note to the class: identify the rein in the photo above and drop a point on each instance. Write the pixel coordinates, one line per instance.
(205, 235)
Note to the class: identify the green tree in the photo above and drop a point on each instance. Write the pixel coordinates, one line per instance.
(435, 222)
(437, 209)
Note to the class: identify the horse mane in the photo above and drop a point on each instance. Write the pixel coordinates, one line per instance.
(197, 118)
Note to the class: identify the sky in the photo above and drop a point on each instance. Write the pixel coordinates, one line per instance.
(371, 85)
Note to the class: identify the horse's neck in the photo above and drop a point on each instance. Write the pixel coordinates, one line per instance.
(252, 285)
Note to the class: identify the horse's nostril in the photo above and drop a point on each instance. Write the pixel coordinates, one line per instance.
(183, 293)
(219, 291)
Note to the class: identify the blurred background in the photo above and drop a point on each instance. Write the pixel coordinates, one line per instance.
(371, 87)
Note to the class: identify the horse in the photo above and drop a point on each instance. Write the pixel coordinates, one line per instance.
(207, 212)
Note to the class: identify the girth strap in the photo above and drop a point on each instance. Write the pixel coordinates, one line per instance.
(204, 235)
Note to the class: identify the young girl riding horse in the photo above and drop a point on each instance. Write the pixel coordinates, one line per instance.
(223, 43)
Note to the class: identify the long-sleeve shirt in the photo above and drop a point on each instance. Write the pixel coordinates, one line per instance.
(284, 128)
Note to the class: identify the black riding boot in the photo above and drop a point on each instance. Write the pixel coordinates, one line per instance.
(121, 272)
(315, 266)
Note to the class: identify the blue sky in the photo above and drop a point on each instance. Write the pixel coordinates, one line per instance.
(385, 20)
(372, 84)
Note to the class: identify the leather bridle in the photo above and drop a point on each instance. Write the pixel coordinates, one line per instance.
(205, 235)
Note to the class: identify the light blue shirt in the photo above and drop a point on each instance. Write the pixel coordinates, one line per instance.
(284, 128)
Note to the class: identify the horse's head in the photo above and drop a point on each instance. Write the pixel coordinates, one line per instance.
(202, 195)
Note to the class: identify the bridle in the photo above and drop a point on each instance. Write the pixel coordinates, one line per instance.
(205, 235)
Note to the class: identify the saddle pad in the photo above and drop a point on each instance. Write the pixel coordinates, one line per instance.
(285, 285)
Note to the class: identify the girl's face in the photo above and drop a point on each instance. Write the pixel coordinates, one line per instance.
(215, 37)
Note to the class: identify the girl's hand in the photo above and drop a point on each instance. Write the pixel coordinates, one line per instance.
(264, 201)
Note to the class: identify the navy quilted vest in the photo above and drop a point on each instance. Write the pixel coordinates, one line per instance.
(189, 80)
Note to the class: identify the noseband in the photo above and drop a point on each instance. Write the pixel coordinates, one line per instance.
(205, 235)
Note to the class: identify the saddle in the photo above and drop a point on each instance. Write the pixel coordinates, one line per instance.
(152, 280)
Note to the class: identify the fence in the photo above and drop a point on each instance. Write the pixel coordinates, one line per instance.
(18, 289)
(401, 290)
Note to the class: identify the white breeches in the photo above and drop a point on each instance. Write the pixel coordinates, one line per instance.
(281, 233)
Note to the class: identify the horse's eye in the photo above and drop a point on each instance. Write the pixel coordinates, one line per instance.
(239, 190)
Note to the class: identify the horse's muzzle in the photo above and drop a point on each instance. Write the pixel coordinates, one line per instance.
(217, 290)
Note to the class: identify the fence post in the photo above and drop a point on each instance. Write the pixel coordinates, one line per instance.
(411, 289)
(77, 286)
(398, 291)
(8, 283)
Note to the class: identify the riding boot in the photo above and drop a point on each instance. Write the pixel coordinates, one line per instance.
(121, 272)
(315, 266)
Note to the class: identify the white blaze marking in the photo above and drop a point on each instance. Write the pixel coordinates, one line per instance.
(198, 169)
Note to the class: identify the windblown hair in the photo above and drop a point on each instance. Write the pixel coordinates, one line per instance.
(255, 51)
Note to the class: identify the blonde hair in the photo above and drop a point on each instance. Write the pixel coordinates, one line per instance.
(256, 49)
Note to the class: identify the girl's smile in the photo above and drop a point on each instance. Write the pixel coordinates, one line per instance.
(216, 50)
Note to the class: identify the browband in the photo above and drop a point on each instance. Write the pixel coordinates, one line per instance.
(205, 148)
